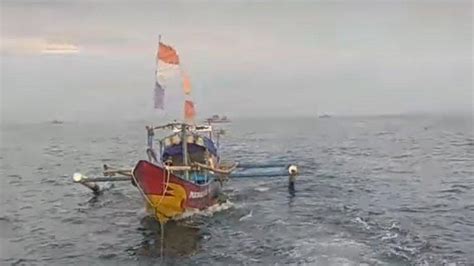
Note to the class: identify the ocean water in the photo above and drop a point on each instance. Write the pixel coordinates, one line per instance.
(372, 190)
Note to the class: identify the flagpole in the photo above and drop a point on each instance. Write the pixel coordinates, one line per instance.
(157, 58)
(157, 69)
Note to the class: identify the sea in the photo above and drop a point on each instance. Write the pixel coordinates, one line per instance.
(377, 190)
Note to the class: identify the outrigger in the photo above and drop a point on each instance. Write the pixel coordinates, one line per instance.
(188, 176)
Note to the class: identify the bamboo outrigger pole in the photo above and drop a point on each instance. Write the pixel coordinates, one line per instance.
(124, 172)
(197, 166)
(91, 182)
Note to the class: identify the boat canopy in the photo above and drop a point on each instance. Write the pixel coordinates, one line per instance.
(173, 145)
(195, 128)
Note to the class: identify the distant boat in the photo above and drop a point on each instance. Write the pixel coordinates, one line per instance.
(218, 119)
(325, 116)
(57, 122)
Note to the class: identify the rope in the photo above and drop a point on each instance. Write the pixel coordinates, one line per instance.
(146, 197)
(166, 188)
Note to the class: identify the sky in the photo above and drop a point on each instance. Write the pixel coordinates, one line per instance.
(93, 60)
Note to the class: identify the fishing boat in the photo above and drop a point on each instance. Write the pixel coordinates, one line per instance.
(187, 178)
(324, 116)
(188, 175)
(218, 119)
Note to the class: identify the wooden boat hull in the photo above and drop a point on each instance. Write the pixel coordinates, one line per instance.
(168, 196)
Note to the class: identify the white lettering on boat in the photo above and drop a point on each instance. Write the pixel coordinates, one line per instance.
(198, 194)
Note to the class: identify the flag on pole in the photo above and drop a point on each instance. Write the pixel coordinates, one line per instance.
(159, 96)
(167, 54)
(186, 84)
(189, 112)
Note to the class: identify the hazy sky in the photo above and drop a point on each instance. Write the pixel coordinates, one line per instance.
(245, 58)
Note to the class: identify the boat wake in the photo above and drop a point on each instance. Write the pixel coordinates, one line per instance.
(206, 212)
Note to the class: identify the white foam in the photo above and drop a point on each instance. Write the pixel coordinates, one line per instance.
(364, 223)
(389, 236)
(246, 217)
(262, 189)
(206, 212)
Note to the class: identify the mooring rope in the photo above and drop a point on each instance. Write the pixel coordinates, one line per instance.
(166, 187)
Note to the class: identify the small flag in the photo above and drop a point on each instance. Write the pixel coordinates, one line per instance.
(189, 112)
(159, 96)
(186, 84)
(167, 54)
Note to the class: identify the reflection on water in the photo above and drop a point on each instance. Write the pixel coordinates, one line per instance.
(291, 186)
(179, 239)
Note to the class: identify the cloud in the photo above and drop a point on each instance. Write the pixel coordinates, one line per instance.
(35, 46)
(60, 48)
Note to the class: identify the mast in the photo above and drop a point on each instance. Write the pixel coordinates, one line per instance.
(158, 93)
(157, 57)
(184, 142)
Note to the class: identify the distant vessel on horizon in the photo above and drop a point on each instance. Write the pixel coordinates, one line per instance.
(218, 119)
(57, 122)
(324, 116)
